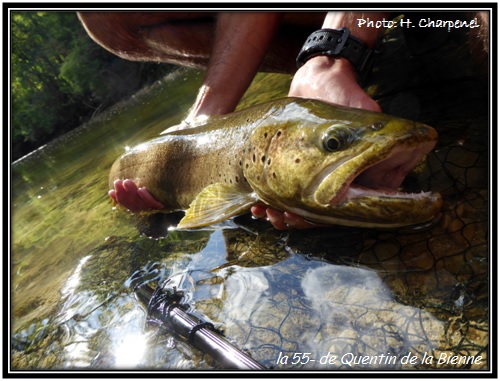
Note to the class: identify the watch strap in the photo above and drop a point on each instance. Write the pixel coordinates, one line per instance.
(336, 43)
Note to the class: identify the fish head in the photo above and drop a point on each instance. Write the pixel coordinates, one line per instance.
(340, 165)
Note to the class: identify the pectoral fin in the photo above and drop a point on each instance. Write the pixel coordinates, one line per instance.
(217, 203)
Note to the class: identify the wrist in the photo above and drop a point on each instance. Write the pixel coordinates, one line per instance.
(337, 43)
(322, 65)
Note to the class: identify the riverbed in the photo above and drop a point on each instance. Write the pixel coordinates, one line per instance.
(329, 299)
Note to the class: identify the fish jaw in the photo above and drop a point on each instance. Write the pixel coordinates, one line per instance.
(370, 195)
(380, 179)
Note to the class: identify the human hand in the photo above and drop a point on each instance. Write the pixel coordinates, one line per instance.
(331, 80)
(283, 220)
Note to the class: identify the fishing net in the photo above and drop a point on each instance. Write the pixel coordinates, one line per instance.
(334, 299)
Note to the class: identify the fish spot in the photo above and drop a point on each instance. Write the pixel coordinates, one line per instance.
(237, 179)
(297, 160)
(254, 158)
(246, 165)
(278, 134)
(241, 163)
(263, 158)
(265, 135)
(258, 178)
(274, 175)
(269, 162)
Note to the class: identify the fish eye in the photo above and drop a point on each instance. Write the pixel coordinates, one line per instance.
(332, 144)
(336, 139)
(377, 126)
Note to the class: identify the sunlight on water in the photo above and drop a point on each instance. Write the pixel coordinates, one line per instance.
(74, 279)
(130, 350)
(343, 293)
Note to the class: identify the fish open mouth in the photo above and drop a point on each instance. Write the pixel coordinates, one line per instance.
(371, 195)
(384, 178)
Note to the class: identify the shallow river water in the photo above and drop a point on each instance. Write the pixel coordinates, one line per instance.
(331, 299)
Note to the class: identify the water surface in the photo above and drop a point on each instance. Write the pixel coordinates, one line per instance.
(345, 298)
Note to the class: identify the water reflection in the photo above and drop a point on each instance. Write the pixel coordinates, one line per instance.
(361, 313)
(130, 350)
(336, 291)
(327, 309)
(246, 289)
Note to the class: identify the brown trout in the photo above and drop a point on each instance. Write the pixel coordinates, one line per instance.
(329, 164)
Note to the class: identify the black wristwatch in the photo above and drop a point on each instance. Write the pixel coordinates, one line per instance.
(337, 43)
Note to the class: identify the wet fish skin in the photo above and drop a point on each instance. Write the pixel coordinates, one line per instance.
(293, 154)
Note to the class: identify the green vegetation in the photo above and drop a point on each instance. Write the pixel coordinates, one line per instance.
(61, 78)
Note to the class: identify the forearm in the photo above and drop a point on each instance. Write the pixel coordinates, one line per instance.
(241, 41)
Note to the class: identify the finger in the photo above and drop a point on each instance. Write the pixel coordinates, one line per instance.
(130, 186)
(297, 222)
(276, 219)
(259, 211)
(126, 195)
(148, 200)
(112, 194)
(119, 190)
